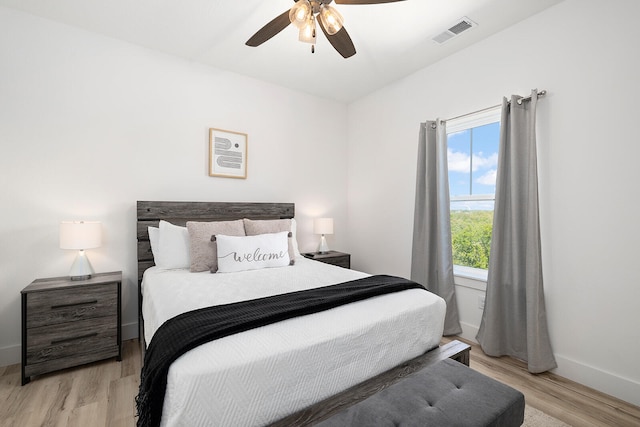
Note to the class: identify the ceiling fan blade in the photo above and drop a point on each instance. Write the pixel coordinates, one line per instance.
(340, 41)
(271, 29)
(365, 1)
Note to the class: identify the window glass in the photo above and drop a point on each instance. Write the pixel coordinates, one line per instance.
(459, 160)
(472, 152)
(471, 225)
(485, 159)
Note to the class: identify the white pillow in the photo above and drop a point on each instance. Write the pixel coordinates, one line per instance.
(295, 238)
(252, 252)
(173, 245)
(154, 236)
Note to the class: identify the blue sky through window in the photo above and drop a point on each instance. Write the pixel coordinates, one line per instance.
(473, 161)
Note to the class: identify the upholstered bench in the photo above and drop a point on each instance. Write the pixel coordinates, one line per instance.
(447, 393)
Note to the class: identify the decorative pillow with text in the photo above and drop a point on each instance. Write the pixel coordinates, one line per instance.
(252, 252)
(255, 227)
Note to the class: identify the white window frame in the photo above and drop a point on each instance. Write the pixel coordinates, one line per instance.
(469, 276)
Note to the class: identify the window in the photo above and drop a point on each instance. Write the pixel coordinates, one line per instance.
(472, 151)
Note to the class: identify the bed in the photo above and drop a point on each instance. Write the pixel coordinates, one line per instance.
(274, 373)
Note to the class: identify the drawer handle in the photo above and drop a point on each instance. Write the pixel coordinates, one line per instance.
(53, 307)
(81, 337)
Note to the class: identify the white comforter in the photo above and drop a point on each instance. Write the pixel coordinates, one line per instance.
(259, 376)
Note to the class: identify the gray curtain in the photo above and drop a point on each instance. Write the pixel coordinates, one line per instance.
(431, 257)
(514, 321)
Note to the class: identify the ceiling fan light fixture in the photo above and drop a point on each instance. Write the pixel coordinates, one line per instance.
(299, 14)
(331, 19)
(303, 16)
(307, 33)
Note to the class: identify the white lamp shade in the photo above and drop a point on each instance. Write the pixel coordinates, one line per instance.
(80, 235)
(323, 226)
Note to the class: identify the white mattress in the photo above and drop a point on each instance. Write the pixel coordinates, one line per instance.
(259, 376)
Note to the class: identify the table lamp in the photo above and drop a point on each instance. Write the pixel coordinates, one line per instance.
(323, 226)
(80, 235)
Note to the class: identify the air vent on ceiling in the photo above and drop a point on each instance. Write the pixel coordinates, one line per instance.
(456, 29)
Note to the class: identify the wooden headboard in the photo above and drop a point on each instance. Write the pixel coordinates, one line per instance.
(178, 213)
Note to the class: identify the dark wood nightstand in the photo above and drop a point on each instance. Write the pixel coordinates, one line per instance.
(340, 259)
(67, 323)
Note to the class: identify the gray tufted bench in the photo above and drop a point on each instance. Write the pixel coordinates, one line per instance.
(447, 393)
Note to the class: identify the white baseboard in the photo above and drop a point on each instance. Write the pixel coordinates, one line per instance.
(469, 332)
(129, 331)
(606, 382)
(11, 355)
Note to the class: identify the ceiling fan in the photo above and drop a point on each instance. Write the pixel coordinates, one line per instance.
(303, 15)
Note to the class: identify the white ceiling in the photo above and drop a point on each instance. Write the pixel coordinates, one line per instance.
(392, 40)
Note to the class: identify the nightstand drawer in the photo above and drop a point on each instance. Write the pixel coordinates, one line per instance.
(71, 339)
(61, 306)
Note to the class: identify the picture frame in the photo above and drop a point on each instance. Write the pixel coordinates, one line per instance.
(227, 153)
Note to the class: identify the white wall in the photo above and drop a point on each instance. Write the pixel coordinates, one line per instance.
(587, 58)
(89, 125)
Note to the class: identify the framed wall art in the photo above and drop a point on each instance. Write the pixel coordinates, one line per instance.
(227, 153)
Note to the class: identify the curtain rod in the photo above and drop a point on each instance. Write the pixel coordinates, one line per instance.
(542, 93)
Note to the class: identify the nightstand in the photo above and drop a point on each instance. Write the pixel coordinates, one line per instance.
(340, 259)
(68, 323)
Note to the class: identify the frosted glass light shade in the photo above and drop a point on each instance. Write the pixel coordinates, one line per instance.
(331, 19)
(80, 235)
(323, 226)
(300, 12)
(307, 33)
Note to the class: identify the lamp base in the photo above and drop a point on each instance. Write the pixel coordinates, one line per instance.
(81, 268)
(323, 248)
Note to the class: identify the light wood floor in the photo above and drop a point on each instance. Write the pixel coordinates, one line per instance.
(103, 393)
(100, 394)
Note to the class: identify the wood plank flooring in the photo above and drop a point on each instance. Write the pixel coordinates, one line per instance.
(102, 394)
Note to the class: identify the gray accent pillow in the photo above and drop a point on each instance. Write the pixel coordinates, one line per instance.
(265, 226)
(204, 256)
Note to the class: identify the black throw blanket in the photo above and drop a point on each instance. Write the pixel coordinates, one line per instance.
(188, 330)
